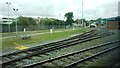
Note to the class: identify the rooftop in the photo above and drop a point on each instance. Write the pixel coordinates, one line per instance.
(112, 18)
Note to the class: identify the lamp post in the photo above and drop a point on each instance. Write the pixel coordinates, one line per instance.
(16, 18)
(39, 23)
(82, 14)
(8, 14)
(59, 19)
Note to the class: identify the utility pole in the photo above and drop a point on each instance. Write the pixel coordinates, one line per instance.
(59, 20)
(82, 14)
(8, 15)
(16, 18)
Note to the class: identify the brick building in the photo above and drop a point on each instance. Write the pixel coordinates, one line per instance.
(113, 23)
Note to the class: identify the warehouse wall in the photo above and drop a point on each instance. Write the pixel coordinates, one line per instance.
(112, 25)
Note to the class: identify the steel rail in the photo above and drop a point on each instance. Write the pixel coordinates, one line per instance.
(90, 57)
(70, 54)
(49, 49)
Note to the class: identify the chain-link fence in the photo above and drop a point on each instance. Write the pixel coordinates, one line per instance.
(5, 28)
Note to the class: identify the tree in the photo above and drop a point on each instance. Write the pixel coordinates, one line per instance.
(24, 22)
(69, 17)
(99, 20)
(31, 21)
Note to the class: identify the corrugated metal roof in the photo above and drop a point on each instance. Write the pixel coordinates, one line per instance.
(112, 18)
(6, 21)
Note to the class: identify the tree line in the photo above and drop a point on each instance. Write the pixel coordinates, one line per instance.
(28, 21)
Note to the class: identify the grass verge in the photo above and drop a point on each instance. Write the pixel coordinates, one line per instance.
(8, 43)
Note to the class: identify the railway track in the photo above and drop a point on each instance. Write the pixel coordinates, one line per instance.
(72, 59)
(47, 45)
(89, 58)
(16, 56)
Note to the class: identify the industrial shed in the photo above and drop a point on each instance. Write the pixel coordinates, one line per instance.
(113, 23)
(5, 24)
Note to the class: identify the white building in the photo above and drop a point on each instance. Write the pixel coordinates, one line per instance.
(5, 20)
(5, 24)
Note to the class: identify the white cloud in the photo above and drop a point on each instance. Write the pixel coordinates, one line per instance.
(57, 8)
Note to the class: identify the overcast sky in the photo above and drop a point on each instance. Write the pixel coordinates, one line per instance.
(93, 9)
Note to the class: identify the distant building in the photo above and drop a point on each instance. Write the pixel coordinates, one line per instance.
(79, 23)
(76, 25)
(6, 20)
(5, 23)
(113, 23)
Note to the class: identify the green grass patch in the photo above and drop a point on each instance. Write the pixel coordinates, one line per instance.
(37, 39)
(22, 33)
(30, 32)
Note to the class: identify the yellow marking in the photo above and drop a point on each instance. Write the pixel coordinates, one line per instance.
(20, 47)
